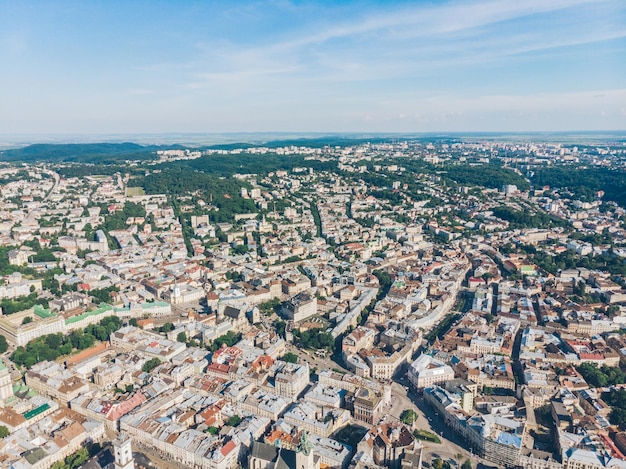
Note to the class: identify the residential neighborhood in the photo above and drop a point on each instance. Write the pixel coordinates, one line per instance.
(403, 304)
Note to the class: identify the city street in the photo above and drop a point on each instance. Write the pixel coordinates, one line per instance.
(449, 448)
(402, 398)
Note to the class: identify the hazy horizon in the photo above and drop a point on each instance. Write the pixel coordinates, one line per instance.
(8, 141)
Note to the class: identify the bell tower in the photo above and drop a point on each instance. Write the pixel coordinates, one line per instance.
(123, 452)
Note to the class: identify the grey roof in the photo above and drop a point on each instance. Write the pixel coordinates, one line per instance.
(264, 451)
(284, 458)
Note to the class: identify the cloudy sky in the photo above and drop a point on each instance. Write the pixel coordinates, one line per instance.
(320, 66)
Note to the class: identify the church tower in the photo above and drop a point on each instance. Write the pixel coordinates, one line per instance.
(123, 452)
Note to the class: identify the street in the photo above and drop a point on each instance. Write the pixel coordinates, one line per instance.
(449, 448)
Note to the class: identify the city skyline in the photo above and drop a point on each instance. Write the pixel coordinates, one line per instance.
(96, 67)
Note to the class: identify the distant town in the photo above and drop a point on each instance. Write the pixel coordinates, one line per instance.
(404, 304)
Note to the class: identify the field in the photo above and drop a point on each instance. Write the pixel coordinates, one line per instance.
(134, 191)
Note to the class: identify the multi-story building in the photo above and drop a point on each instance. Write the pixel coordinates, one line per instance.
(20, 332)
(318, 420)
(360, 338)
(367, 406)
(53, 380)
(427, 371)
(383, 367)
(389, 444)
(57, 436)
(6, 384)
(300, 307)
(264, 456)
(290, 378)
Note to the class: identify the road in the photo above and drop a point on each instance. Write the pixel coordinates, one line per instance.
(450, 448)
(148, 458)
(402, 400)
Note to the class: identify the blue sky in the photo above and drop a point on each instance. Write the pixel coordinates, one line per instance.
(361, 66)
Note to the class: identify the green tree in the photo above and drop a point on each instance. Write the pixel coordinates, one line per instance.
(280, 327)
(467, 464)
(4, 346)
(151, 364)
(229, 339)
(408, 416)
(4, 431)
(290, 357)
(618, 417)
(181, 337)
(233, 421)
(270, 306)
(167, 327)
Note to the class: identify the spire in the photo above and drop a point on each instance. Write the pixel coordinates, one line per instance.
(304, 446)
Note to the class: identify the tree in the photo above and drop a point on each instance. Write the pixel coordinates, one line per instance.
(4, 346)
(229, 339)
(233, 421)
(280, 327)
(133, 322)
(151, 364)
(467, 464)
(167, 327)
(4, 431)
(290, 357)
(408, 416)
(181, 337)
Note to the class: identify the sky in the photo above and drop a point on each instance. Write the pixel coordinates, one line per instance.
(130, 66)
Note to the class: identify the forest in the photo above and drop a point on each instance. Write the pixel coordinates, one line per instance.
(228, 165)
(569, 260)
(224, 193)
(492, 176)
(519, 220)
(102, 153)
(585, 182)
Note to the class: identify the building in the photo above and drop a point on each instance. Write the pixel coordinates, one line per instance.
(291, 379)
(427, 371)
(19, 256)
(367, 406)
(264, 456)
(53, 380)
(123, 452)
(359, 338)
(300, 307)
(389, 444)
(42, 322)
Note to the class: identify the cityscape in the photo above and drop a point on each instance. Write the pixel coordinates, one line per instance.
(419, 302)
(304, 234)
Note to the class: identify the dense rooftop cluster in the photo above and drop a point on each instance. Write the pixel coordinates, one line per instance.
(296, 306)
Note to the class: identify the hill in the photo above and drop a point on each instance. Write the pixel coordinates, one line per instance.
(81, 152)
